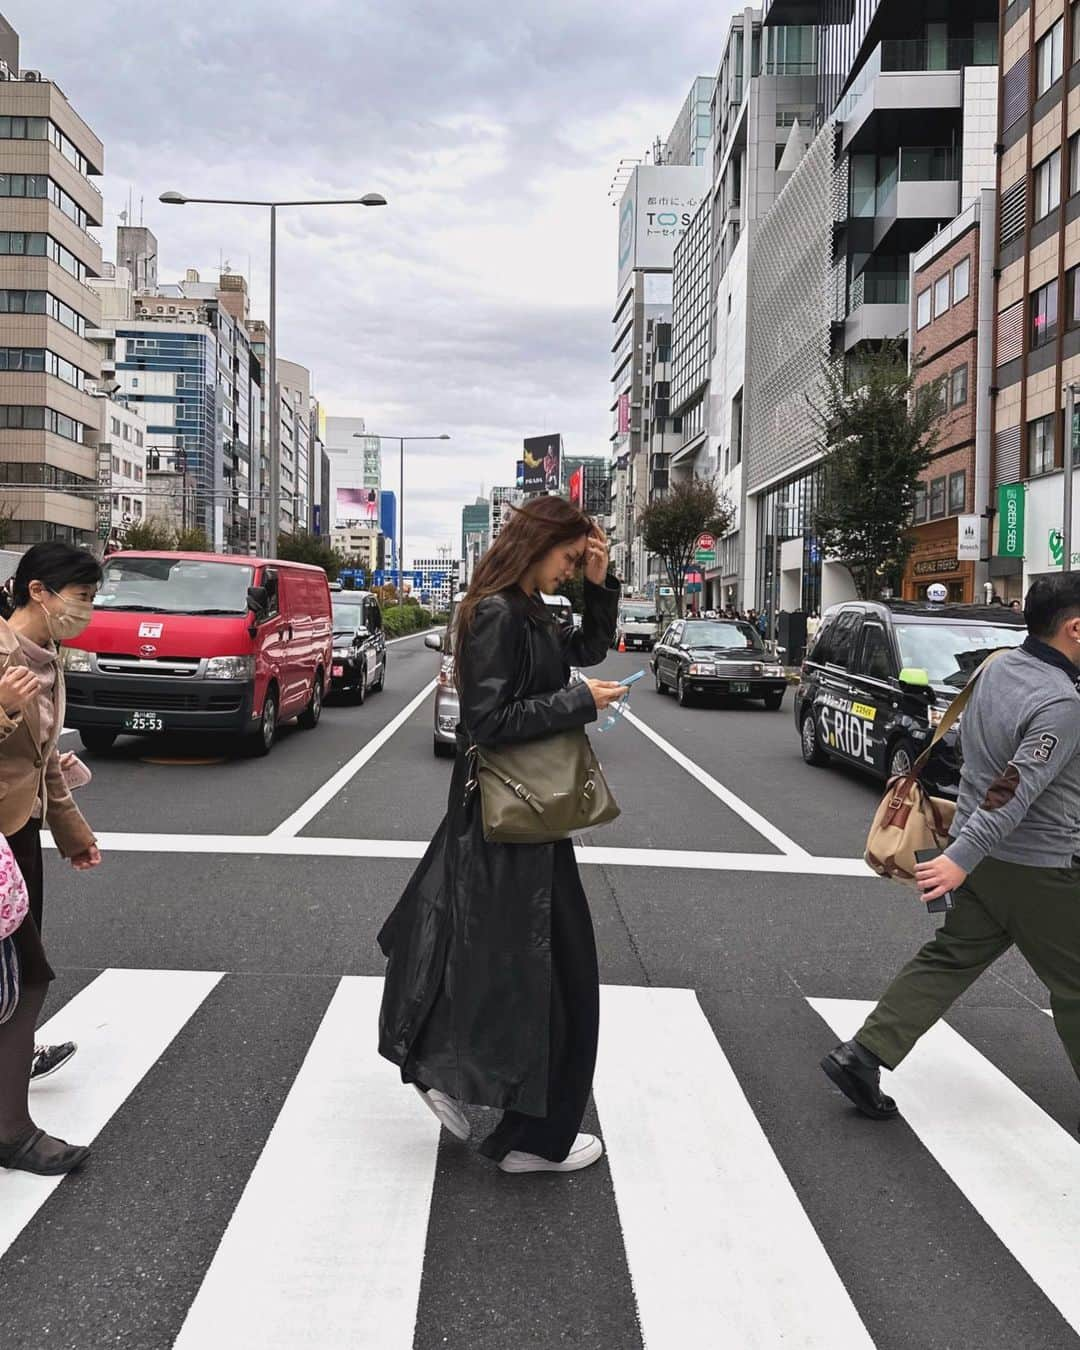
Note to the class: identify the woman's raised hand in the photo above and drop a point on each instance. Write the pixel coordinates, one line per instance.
(596, 557)
(606, 692)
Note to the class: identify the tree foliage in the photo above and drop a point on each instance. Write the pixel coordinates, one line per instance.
(7, 515)
(877, 436)
(151, 536)
(670, 527)
(304, 547)
(192, 540)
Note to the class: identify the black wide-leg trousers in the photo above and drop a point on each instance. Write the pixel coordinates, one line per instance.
(574, 1026)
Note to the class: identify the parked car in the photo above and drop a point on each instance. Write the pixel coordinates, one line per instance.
(200, 642)
(717, 656)
(639, 625)
(879, 676)
(359, 665)
(447, 706)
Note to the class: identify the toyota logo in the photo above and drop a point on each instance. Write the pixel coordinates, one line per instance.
(148, 649)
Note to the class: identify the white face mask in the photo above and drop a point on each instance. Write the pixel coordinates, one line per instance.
(73, 619)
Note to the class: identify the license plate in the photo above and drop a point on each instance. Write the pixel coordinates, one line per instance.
(144, 721)
(736, 688)
(337, 672)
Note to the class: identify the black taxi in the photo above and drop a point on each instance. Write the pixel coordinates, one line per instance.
(879, 676)
(359, 661)
(717, 656)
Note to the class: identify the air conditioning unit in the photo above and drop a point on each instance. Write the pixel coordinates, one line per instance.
(32, 76)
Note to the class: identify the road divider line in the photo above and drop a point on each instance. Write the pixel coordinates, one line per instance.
(124, 1021)
(303, 815)
(752, 818)
(1015, 1164)
(325, 846)
(333, 1221)
(715, 1235)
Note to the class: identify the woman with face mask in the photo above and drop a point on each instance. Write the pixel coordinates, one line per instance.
(53, 594)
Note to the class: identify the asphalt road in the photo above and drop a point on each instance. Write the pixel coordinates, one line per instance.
(261, 1179)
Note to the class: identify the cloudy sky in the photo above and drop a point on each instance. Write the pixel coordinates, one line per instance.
(479, 302)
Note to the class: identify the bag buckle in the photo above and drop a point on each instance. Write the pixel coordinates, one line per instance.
(589, 788)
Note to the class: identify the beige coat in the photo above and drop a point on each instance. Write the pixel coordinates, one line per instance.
(29, 769)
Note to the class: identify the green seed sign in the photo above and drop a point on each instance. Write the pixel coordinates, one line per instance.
(1011, 520)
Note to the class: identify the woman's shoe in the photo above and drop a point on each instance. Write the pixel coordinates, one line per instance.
(587, 1149)
(446, 1111)
(27, 1156)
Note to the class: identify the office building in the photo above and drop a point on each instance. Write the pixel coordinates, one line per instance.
(587, 483)
(49, 421)
(438, 579)
(122, 466)
(475, 521)
(905, 110)
(294, 388)
(361, 545)
(355, 471)
(388, 522)
(503, 501)
(688, 140)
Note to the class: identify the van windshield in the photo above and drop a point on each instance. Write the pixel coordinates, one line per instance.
(174, 586)
(951, 652)
(639, 614)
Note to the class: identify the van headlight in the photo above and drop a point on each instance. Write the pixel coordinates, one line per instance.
(230, 668)
(76, 660)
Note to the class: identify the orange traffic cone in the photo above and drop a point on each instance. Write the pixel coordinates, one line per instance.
(622, 645)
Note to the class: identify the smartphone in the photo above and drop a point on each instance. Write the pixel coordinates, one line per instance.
(945, 902)
(633, 679)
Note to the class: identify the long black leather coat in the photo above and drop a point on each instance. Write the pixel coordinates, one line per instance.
(467, 998)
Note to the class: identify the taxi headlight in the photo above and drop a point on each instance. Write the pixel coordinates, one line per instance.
(775, 672)
(75, 659)
(230, 668)
(343, 652)
(703, 668)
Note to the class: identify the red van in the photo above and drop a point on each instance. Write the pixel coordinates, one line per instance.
(201, 642)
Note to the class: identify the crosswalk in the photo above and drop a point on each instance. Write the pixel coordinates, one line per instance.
(328, 1240)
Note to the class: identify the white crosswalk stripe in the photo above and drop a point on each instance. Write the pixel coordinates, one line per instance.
(326, 1244)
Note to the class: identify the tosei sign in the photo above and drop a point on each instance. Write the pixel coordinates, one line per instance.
(655, 212)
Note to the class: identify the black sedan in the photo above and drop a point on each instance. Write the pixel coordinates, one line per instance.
(359, 661)
(716, 656)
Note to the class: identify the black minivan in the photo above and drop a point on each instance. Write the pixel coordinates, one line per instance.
(880, 675)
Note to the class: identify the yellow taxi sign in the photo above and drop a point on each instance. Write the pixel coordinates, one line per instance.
(864, 710)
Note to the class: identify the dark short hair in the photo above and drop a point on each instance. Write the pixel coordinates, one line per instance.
(1050, 602)
(55, 565)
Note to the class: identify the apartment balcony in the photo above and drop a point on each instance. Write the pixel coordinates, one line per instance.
(909, 212)
(877, 308)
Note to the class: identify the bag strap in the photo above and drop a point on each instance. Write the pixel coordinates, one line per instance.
(953, 711)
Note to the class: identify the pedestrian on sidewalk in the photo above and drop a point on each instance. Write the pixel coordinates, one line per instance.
(54, 588)
(1012, 863)
(492, 991)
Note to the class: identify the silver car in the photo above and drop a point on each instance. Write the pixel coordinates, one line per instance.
(447, 707)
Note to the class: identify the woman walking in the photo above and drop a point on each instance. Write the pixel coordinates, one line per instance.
(492, 993)
(53, 594)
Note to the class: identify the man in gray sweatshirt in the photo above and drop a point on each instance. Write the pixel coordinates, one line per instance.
(1012, 863)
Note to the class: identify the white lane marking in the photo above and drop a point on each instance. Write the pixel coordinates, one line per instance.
(303, 815)
(753, 818)
(323, 846)
(1016, 1165)
(123, 1021)
(326, 1246)
(715, 1235)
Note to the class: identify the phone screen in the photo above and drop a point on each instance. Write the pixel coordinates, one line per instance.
(633, 679)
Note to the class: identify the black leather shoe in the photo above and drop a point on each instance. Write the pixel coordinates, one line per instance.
(859, 1081)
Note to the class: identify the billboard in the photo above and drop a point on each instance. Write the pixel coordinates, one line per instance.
(357, 506)
(542, 463)
(577, 487)
(655, 212)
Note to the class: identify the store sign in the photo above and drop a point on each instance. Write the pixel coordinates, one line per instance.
(1011, 520)
(968, 538)
(1055, 551)
(104, 511)
(933, 567)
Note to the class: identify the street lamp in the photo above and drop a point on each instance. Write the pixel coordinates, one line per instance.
(401, 508)
(178, 199)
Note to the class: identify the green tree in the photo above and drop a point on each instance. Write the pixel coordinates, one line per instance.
(152, 536)
(670, 527)
(304, 547)
(7, 515)
(192, 540)
(877, 433)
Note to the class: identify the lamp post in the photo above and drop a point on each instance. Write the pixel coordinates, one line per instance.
(401, 506)
(178, 199)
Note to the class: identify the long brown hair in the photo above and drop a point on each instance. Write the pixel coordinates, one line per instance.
(532, 530)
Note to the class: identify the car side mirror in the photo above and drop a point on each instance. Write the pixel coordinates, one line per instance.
(915, 678)
(434, 642)
(363, 634)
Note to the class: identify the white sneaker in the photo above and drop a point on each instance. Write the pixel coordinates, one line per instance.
(447, 1112)
(587, 1150)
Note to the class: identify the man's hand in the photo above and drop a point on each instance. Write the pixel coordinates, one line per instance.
(936, 877)
(88, 858)
(606, 692)
(596, 556)
(18, 687)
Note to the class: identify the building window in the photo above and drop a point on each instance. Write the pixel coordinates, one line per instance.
(138, 509)
(116, 463)
(1072, 298)
(941, 295)
(1074, 10)
(1041, 445)
(1049, 57)
(921, 504)
(961, 280)
(125, 468)
(923, 314)
(937, 498)
(1047, 185)
(957, 492)
(959, 381)
(114, 425)
(1044, 314)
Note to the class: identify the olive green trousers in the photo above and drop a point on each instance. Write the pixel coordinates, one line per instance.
(1000, 903)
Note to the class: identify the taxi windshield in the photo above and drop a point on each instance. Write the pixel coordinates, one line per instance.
(174, 586)
(951, 652)
(348, 618)
(730, 636)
